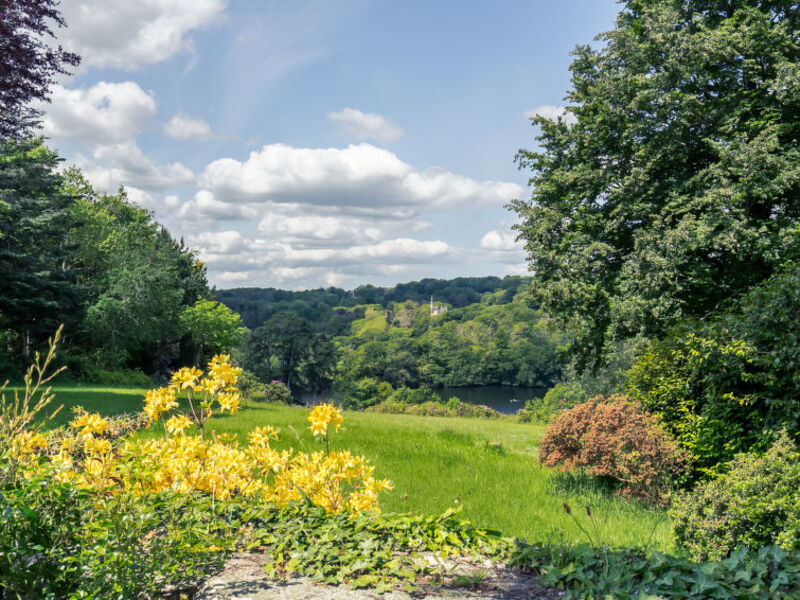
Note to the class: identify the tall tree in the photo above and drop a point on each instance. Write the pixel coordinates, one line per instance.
(677, 185)
(28, 64)
(36, 279)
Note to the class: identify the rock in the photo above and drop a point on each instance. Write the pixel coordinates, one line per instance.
(243, 578)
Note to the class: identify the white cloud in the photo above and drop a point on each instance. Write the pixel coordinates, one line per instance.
(361, 176)
(128, 34)
(220, 242)
(361, 125)
(552, 113)
(503, 239)
(104, 113)
(204, 207)
(181, 127)
(124, 164)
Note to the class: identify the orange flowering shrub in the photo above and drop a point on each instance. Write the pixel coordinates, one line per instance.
(616, 438)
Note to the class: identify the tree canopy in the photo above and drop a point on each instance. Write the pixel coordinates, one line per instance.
(28, 64)
(677, 186)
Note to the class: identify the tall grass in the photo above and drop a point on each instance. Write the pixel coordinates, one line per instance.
(487, 467)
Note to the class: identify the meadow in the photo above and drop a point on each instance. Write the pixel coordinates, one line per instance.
(487, 467)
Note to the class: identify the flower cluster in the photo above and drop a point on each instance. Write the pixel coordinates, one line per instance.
(89, 455)
(202, 392)
(323, 416)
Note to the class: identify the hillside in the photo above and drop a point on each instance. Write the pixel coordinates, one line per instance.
(319, 307)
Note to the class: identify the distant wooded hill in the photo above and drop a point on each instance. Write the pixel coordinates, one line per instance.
(319, 307)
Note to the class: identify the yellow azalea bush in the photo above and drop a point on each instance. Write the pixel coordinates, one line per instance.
(88, 454)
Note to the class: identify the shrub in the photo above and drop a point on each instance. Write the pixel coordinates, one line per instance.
(730, 385)
(453, 408)
(278, 393)
(557, 399)
(615, 438)
(585, 572)
(121, 377)
(363, 393)
(756, 503)
(700, 385)
(419, 395)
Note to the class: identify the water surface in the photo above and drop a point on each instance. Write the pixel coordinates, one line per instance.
(506, 399)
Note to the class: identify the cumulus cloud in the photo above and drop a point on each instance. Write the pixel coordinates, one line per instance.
(502, 239)
(124, 164)
(127, 35)
(204, 207)
(181, 127)
(552, 113)
(359, 175)
(103, 113)
(362, 126)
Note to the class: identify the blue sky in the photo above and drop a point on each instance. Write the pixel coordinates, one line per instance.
(313, 143)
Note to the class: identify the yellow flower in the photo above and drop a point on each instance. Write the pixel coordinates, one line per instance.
(186, 377)
(323, 416)
(96, 446)
(229, 401)
(89, 423)
(159, 401)
(177, 424)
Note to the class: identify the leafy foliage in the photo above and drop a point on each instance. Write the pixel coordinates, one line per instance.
(558, 398)
(59, 541)
(213, 328)
(677, 186)
(38, 291)
(730, 384)
(755, 503)
(28, 65)
(615, 438)
(327, 309)
(362, 550)
(285, 348)
(588, 572)
(486, 343)
(452, 408)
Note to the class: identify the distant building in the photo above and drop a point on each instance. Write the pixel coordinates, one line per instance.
(437, 310)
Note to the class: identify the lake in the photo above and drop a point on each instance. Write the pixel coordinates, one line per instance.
(506, 399)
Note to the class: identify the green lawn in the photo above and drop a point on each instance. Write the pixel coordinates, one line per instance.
(436, 463)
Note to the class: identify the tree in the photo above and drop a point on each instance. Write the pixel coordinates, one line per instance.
(212, 326)
(678, 184)
(286, 338)
(36, 280)
(28, 65)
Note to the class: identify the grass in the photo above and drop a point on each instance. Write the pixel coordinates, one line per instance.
(487, 467)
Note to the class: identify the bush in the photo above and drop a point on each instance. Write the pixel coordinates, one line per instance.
(615, 438)
(59, 541)
(700, 385)
(453, 408)
(756, 503)
(277, 393)
(251, 387)
(419, 395)
(121, 377)
(731, 385)
(586, 572)
(557, 399)
(363, 393)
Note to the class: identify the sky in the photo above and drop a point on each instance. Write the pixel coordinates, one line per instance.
(320, 143)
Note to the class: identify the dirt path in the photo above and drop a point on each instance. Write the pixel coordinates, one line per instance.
(243, 578)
